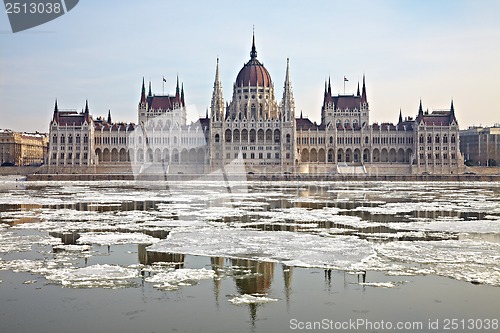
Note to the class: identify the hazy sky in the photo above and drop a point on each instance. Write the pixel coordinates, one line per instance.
(101, 50)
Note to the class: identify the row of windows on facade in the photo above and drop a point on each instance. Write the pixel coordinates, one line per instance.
(355, 140)
(258, 148)
(251, 156)
(437, 138)
(436, 148)
(349, 155)
(200, 140)
(70, 156)
(437, 156)
(235, 136)
(62, 139)
(77, 147)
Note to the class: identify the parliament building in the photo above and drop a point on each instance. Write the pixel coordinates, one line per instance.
(256, 131)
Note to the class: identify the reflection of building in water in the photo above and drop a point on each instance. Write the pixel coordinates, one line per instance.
(287, 277)
(149, 257)
(258, 282)
(217, 264)
(67, 238)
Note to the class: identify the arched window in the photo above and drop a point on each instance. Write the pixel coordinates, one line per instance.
(453, 138)
(288, 138)
(436, 140)
(217, 138)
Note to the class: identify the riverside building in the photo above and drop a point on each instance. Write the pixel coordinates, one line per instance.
(255, 130)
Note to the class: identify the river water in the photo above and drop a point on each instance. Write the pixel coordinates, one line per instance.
(239, 256)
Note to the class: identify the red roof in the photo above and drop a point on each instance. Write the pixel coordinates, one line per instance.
(253, 74)
(163, 102)
(305, 124)
(69, 118)
(436, 118)
(350, 102)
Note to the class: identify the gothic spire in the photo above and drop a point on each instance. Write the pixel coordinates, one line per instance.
(217, 105)
(420, 109)
(358, 94)
(149, 93)
(288, 103)
(143, 92)
(253, 53)
(182, 94)
(452, 113)
(86, 106)
(329, 87)
(55, 117)
(177, 87)
(109, 116)
(400, 117)
(363, 91)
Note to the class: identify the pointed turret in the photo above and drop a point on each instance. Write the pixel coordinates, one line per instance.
(452, 113)
(253, 53)
(56, 113)
(149, 93)
(363, 91)
(109, 116)
(143, 92)
(177, 91)
(288, 102)
(357, 93)
(87, 113)
(420, 109)
(217, 105)
(182, 94)
(400, 117)
(329, 87)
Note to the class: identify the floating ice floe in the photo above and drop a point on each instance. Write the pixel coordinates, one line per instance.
(11, 242)
(72, 247)
(454, 226)
(111, 238)
(96, 276)
(294, 249)
(390, 284)
(174, 279)
(251, 299)
(465, 260)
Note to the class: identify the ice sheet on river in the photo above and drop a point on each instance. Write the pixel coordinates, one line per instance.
(468, 260)
(295, 249)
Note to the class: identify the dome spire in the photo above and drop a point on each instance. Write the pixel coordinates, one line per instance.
(253, 53)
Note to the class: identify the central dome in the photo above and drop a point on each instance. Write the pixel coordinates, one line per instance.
(253, 72)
